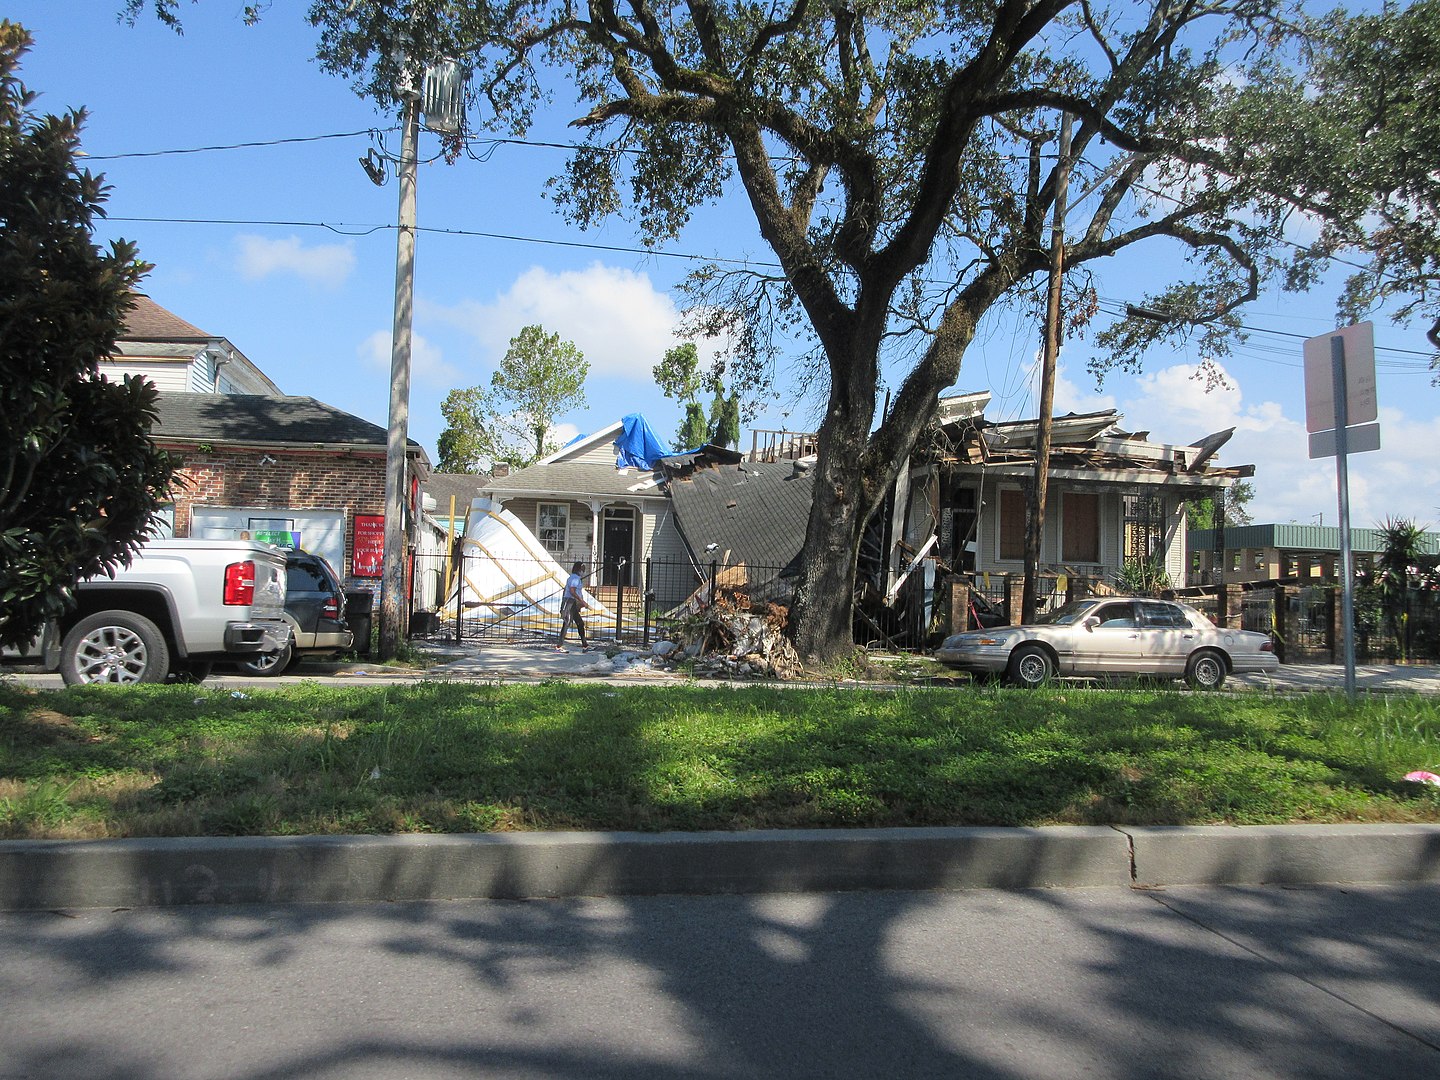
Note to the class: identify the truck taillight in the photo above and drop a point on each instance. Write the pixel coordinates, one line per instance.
(240, 582)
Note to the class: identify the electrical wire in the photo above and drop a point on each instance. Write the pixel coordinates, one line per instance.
(356, 229)
(372, 132)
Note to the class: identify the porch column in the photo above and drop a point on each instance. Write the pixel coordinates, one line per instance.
(596, 508)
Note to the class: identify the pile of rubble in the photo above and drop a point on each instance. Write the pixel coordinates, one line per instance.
(734, 639)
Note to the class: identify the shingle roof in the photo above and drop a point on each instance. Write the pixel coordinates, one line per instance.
(251, 418)
(148, 321)
(755, 511)
(575, 478)
(463, 486)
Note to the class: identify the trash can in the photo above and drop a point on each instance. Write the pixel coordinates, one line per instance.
(359, 613)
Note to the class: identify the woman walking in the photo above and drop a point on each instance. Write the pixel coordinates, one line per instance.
(572, 603)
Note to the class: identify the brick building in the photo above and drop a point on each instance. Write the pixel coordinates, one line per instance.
(288, 470)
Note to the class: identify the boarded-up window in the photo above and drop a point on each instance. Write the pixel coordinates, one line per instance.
(1081, 540)
(1012, 524)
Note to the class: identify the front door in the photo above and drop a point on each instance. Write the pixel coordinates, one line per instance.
(617, 547)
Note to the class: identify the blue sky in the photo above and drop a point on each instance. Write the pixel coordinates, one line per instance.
(300, 276)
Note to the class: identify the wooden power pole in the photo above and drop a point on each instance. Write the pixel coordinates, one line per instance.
(1039, 488)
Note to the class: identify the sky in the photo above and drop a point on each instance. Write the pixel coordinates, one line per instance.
(285, 248)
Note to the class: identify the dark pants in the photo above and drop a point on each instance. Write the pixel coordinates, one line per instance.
(570, 613)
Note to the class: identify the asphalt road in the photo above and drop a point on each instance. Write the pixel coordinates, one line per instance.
(984, 985)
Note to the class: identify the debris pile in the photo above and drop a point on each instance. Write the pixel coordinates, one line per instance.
(734, 637)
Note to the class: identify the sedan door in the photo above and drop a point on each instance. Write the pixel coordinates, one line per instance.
(1111, 645)
(1168, 636)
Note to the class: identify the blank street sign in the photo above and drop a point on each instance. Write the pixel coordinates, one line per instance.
(1358, 439)
(1360, 403)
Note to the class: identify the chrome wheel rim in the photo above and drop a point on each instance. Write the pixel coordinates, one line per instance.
(1033, 668)
(111, 654)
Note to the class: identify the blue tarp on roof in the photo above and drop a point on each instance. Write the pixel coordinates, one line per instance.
(638, 446)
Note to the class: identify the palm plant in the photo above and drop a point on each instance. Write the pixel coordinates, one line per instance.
(1400, 551)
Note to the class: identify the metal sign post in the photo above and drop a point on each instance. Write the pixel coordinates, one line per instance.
(1348, 395)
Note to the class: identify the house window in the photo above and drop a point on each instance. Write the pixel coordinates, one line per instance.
(553, 527)
(1012, 523)
(1080, 541)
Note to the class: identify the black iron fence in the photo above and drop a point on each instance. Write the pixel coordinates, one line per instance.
(489, 598)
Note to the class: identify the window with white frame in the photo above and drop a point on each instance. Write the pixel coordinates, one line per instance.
(552, 526)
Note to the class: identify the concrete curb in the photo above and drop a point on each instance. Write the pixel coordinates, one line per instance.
(335, 869)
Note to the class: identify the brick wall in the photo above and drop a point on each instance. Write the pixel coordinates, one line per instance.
(301, 479)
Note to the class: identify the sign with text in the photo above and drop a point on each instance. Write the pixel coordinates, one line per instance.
(369, 557)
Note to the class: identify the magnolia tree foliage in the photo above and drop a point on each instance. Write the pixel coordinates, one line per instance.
(899, 159)
(539, 379)
(80, 480)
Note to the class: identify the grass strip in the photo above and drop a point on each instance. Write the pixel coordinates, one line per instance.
(466, 757)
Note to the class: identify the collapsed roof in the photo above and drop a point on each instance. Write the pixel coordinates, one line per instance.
(1081, 445)
(734, 512)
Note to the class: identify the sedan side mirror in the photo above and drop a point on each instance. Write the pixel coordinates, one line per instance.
(1090, 622)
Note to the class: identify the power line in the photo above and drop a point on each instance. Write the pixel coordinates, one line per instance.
(372, 132)
(356, 229)
(1120, 306)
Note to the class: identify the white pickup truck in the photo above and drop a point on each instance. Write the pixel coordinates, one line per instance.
(177, 608)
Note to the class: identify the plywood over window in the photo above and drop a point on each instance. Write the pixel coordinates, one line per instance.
(1012, 523)
(1080, 540)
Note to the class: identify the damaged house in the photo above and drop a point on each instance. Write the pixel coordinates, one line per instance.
(1114, 515)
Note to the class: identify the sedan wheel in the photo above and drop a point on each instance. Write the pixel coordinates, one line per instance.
(1030, 667)
(270, 663)
(1205, 671)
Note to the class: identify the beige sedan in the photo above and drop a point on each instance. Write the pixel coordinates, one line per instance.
(1112, 635)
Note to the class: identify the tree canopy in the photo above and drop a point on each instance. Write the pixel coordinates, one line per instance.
(900, 161)
(539, 379)
(80, 480)
(679, 376)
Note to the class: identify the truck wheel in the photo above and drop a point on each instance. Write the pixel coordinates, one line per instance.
(114, 647)
(270, 663)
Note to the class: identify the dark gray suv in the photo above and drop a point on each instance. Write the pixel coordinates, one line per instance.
(315, 610)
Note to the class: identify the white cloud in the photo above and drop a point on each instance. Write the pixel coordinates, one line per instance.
(324, 264)
(1397, 480)
(616, 317)
(427, 365)
(1073, 397)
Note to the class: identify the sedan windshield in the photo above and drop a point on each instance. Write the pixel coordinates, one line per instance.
(1072, 612)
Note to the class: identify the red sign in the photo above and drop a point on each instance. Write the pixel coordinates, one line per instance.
(368, 559)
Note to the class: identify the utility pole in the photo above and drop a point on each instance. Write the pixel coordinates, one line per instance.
(392, 593)
(1039, 488)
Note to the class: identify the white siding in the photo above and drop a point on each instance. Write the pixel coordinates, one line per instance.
(1176, 553)
(165, 374)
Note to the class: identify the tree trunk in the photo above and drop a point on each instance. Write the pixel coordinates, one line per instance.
(843, 501)
(824, 598)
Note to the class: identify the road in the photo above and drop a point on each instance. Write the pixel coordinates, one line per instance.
(984, 985)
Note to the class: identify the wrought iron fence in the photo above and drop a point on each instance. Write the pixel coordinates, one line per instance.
(485, 598)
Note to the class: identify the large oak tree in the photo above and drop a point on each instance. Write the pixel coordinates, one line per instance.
(899, 158)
